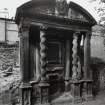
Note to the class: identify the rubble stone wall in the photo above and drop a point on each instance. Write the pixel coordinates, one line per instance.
(8, 56)
(9, 82)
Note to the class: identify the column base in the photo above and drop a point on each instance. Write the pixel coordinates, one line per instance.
(88, 97)
(44, 93)
(26, 93)
(67, 85)
(77, 100)
(76, 91)
(87, 86)
(35, 95)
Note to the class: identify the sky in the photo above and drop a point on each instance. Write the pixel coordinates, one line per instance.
(11, 5)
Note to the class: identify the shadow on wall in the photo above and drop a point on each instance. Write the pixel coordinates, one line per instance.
(98, 67)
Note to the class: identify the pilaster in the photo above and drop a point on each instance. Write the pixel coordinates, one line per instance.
(38, 71)
(87, 70)
(68, 62)
(87, 55)
(24, 65)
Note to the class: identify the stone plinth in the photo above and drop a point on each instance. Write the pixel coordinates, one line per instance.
(26, 93)
(87, 90)
(76, 91)
(44, 93)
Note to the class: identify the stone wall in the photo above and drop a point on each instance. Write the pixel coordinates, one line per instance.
(98, 47)
(9, 83)
(98, 59)
(9, 88)
(9, 55)
(9, 62)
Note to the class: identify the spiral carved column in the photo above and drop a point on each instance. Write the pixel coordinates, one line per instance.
(43, 85)
(43, 55)
(75, 56)
(75, 83)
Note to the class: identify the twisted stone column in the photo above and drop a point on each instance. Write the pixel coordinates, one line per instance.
(79, 58)
(75, 83)
(43, 55)
(43, 85)
(75, 56)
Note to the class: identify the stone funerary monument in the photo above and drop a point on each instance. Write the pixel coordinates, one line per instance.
(54, 52)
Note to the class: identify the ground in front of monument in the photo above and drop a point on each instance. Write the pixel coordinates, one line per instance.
(98, 100)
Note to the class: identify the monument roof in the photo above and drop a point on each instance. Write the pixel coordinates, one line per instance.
(54, 9)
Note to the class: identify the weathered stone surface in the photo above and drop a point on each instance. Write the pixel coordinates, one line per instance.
(9, 88)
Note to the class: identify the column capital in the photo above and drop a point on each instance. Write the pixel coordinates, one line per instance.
(76, 34)
(24, 31)
(43, 27)
(88, 33)
(23, 27)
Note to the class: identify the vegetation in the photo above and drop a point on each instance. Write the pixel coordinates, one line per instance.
(100, 9)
